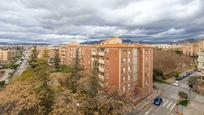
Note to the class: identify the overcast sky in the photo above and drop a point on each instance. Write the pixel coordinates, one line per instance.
(58, 21)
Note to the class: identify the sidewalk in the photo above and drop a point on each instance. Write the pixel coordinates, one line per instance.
(148, 100)
(194, 108)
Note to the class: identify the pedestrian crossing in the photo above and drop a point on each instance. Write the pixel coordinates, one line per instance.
(168, 104)
(185, 86)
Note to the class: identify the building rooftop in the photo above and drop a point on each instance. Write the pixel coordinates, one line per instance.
(123, 45)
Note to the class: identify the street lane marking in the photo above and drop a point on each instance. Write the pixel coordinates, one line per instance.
(169, 104)
(182, 85)
(146, 113)
(173, 106)
(165, 103)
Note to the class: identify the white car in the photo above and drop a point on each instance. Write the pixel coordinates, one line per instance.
(175, 84)
(178, 82)
(7, 81)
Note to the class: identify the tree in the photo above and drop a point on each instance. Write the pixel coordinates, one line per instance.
(14, 66)
(75, 73)
(157, 74)
(93, 82)
(183, 95)
(178, 52)
(192, 80)
(56, 60)
(2, 83)
(45, 54)
(41, 88)
(66, 69)
(183, 98)
(19, 98)
(33, 58)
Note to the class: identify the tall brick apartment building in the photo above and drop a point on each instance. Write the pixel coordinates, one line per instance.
(126, 67)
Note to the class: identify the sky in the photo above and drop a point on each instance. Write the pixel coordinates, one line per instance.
(60, 21)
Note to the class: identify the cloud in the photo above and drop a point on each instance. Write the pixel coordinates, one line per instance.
(61, 21)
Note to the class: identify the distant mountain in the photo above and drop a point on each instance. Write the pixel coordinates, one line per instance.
(99, 41)
(189, 40)
(92, 42)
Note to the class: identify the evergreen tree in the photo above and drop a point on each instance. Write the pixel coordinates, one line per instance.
(75, 74)
(42, 89)
(57, 60)
(33, 58)
(45, 54)
(93, 82)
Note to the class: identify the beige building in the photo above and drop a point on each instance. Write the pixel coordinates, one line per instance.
(6, 55)
(200, 65)
(192, 49)
(167, 46)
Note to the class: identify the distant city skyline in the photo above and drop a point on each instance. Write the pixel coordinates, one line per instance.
(54, 21)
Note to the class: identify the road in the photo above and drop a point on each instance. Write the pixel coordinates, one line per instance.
(169, 93)
(22, 67)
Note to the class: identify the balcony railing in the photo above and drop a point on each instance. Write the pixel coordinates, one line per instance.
(101, 61)
(200, 60)
(101, 77)
(93, 53)
(101, 53)
(101, 69)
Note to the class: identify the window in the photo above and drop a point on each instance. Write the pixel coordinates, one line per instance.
(123, 70)
(124, 51)
(129, 86)
(129, 70)
(124, 59)
(123, 88)
(146, 58)
(123, 78)
(129, 52)
(128, 77)
(128, 60)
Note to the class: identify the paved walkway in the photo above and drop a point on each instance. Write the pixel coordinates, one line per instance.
(194, 108)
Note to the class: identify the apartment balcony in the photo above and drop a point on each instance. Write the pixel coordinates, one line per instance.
(92, 59)
(101, 54)
(101, 69)
(101, 77)
(93, 53)
(200, 60)
(101, 61)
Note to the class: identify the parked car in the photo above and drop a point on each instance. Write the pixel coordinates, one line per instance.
(175, 84)
(178, 82)
(157, 101)
(179, 78)
(7, 81)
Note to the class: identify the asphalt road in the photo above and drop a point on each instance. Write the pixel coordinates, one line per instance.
(169, 94)
(22, 67)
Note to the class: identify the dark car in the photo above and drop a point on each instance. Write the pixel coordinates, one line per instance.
(179, 78)
(157, 101)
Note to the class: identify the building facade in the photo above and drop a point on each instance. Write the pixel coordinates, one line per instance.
(6, 55)
(125, 67)
(200, 60)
